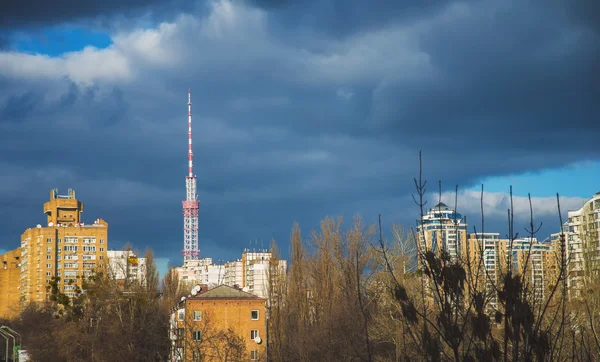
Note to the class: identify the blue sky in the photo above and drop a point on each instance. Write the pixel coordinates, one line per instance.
(57, 40)
(578, 179)
(295, 117)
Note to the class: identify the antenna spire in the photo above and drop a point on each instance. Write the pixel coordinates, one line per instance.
(190, 153)
(191, 202)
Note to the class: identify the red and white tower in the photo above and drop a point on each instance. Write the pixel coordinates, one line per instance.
(191, 202)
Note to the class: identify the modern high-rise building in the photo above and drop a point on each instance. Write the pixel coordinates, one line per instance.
(65, 247)
(583, 245)
(486, 252)
(442, 229)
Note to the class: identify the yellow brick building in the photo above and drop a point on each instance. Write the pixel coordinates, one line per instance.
(10, 273)
(203, 318)
(65, 247)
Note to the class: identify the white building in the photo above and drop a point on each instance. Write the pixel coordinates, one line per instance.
(443, 228)
(490, 244)
(234, 273)
(201, 271)
(251, 272)
(583, 244)
(125, 265)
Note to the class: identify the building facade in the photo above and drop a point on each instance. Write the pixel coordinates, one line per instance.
(442, 229)
(200, 271)
(583, 246)
(251, 272)
(486, 252)
(10, 275)
(126, 267)
(66, 248)
(202, 326)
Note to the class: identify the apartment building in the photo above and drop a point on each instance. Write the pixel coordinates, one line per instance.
(66, 247)
(443, 229)
(200, 321)
(250, 273)
(201, 271)
(583, 245)
(10, 275)
(126, 267)
(257, 265)
(486, 252)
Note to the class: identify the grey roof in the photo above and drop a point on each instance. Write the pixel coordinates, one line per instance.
(442, 206)
(224, 291)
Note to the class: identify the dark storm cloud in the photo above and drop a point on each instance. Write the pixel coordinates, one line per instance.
(34, 13)
(341, 18)
(18, 107)
(301, 110)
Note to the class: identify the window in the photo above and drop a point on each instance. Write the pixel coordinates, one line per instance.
(101, 241)
(70, 247)
(48, 274)
(89, 248)
(48, 266)
(59, 241)
(70, 265)
(253, 333)
(254, 315)
(197, 315)
(181, 315)
(48, 240)
(48, 250)
(197, 335)
(58, 266)
(101, 257)
(48, 257)
(101, 249)
(71, 240)
(254, 355)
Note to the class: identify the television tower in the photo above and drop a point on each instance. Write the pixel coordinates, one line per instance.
(191, 202)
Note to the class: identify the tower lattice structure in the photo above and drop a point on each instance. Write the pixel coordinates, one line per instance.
(191, 203)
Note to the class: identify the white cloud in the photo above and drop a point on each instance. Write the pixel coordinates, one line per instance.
(232, 38)
(496, 205)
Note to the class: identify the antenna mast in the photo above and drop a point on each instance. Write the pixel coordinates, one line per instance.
(191, 202)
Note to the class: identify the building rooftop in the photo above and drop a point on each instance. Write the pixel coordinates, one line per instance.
(441, 206)
(225, 292)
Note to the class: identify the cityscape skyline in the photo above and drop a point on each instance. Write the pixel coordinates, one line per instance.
(295, 119)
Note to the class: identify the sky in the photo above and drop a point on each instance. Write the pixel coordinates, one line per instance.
(301, 110)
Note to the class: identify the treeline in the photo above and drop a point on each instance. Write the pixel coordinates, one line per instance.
(351, 296)
(105, 321)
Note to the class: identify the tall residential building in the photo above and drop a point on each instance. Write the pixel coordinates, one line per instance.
(583, 245)
(234, 273)
(10, 274)
(256, 265)
(200, 271)
(486, 253)
(538, 261)
(488, 257)
(126, 267)
(251, 272)
(66, 248)
(443, 229)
